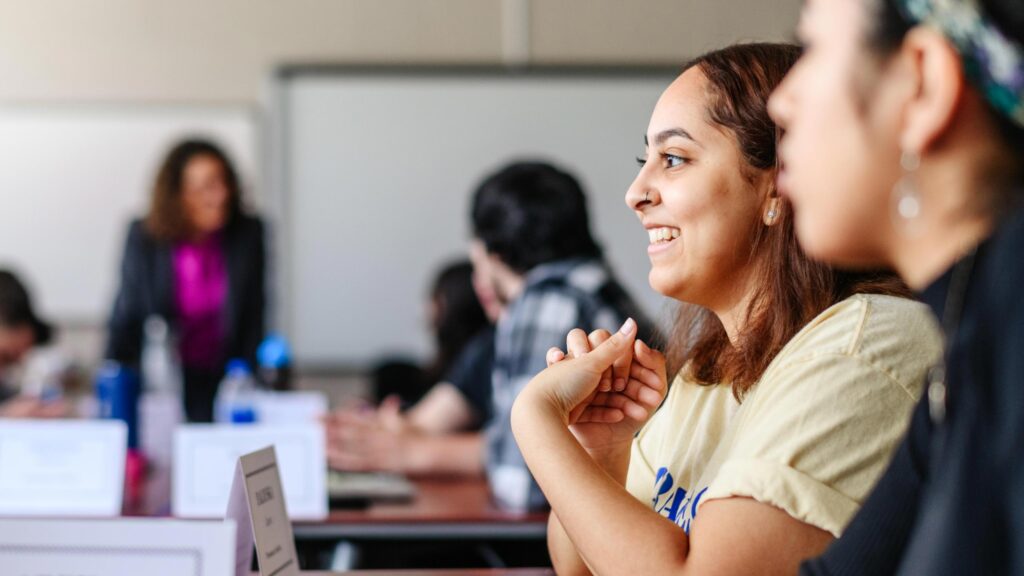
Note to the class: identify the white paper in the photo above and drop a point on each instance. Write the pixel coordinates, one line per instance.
(204, 466)
(116, 547)
(259, 511)
(62, 467)
(283, 408)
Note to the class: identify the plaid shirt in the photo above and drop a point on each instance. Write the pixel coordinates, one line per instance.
(556, 298)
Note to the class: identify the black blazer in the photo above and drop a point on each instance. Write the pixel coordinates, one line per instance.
(147, 287)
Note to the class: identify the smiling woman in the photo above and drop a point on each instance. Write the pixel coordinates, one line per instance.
(196, 260)
(793, 380)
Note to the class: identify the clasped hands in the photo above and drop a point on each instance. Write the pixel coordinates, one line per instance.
(604, 386)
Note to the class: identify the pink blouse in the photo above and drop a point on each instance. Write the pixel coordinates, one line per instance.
(201, 286)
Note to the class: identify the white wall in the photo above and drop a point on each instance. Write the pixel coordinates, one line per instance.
(114, 52)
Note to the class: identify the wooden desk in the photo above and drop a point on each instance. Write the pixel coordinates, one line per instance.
(442, 510)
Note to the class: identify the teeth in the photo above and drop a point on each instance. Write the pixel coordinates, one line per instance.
(657, 235)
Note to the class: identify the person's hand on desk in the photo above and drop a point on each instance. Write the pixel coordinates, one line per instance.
(385, 440)
(33, 407)
(362, 439)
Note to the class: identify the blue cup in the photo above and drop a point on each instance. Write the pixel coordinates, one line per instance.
(117, 396)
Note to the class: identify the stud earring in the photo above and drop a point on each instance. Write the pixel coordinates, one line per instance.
(773, 212)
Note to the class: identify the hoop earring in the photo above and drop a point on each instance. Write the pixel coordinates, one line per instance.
(906, 198)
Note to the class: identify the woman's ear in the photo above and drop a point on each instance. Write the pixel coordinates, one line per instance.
(936, 73)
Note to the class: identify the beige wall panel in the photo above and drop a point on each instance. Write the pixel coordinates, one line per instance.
(651, 31)
(221, 50)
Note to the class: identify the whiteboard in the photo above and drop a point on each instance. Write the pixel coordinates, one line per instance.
(377, 168)
(72, 176)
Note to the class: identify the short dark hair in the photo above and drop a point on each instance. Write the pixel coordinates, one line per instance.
(16, 308)
(530, 213)
(166, 218)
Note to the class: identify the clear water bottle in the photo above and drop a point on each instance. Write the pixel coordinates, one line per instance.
(236, 397)
(159, 405)
(161, 371)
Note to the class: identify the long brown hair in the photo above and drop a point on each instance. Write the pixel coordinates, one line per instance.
(791, 289)
(166, 218)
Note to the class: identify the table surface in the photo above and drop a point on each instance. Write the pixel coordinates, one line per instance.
(442, 508)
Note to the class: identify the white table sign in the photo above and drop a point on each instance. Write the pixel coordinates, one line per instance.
(258, 509)
(283, 408)
(204, 465)
(116, 547)
(62, 467)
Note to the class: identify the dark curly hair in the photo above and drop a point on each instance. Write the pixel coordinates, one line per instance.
(166, 218)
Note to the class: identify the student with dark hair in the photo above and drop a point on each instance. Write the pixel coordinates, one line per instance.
(792, 383)
(455, 317)
(20, 331)
(532, 243)
(198, 261)
(904, 143)
(538, 272)
(432, 435)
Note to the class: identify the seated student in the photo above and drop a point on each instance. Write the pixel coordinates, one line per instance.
(424, 439)
(533, 251)
(196, 260)
(904, 145)
(20, 331)
(793, 381)
(532, 244)
(456, 318)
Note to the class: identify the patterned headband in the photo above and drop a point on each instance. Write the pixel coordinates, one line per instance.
(994, 62)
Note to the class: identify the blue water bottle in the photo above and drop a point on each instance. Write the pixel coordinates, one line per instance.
(117, 396)
(236, 396)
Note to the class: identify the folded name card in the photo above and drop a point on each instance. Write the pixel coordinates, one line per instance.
(261, 517)
(204, 466)
(62, 467)
(116, 547)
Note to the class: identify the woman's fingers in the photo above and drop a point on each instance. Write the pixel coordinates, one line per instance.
(645, 395)
(648, 357)
(554, 355)
(645, 387)
(576, 343)
(619, 373)
(647, 376)
(596, 338)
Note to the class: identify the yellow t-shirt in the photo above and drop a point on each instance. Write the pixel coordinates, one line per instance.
(815, 433)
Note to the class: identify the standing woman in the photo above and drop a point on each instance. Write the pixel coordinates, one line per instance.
(197, 261)
(793, 381)
(904, 146)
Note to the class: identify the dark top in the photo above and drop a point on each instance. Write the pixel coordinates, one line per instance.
(471, 373)
(952, 501)
(147, 288)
